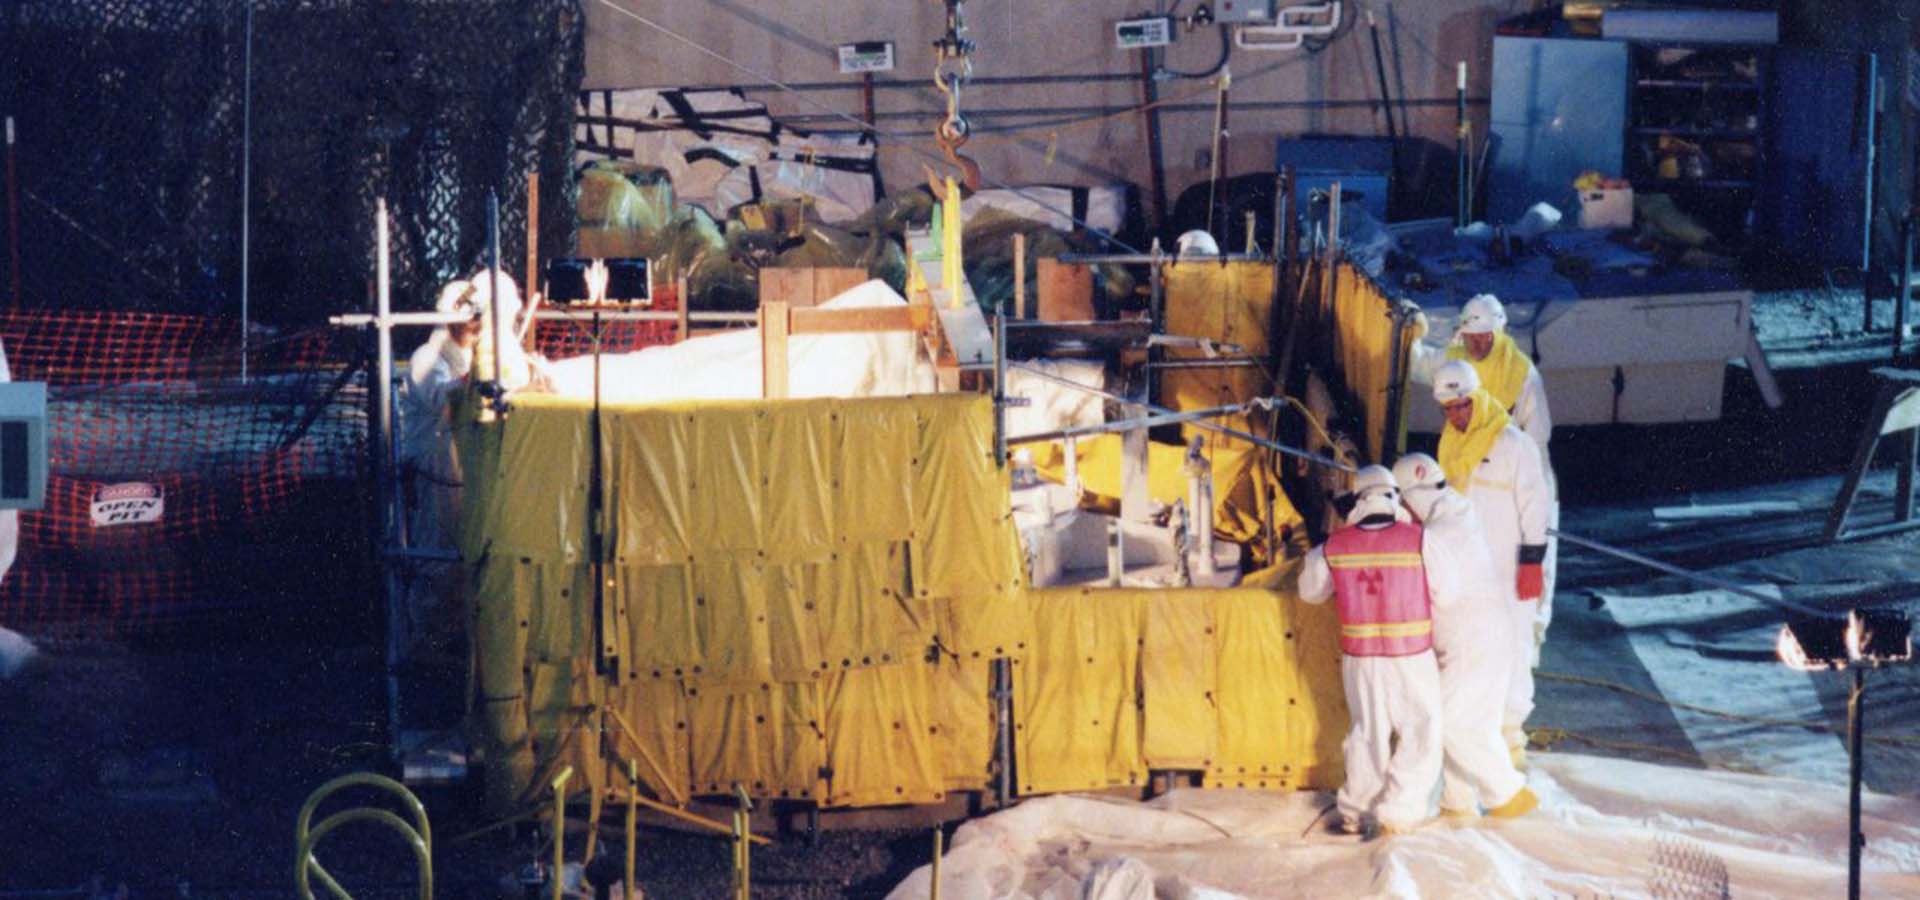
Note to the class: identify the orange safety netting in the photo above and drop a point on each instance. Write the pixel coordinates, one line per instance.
(155, 406)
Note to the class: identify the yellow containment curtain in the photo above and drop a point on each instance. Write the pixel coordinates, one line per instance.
(1231, 303)
(791, 588)
(1365, 351)
(1241, 684)
(831, 639)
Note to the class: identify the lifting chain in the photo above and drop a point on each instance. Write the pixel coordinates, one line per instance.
(953, 65)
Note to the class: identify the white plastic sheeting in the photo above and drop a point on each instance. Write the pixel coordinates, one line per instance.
(872, 364)
(1606, 828)
(727, 366)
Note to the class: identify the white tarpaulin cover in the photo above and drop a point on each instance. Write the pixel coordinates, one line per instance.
(1605, 828)
(870, 364)
(727, 366)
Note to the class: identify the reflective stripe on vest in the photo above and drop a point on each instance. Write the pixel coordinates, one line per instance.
(1380, 590)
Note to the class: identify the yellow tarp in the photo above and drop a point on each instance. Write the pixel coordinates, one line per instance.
(1364, 350)
(1242, 683)
(778, 574)
(1179, 675)
(1240, 477)
(1230, 302)
(1076, 706)
(804, 597)
(1282, 712)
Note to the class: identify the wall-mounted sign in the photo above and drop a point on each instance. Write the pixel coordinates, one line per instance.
(127, 503)
(866, 56)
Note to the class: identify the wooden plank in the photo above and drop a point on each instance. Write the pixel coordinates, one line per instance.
(1066, 291)
(832, 281)
(533, 233)
(793, 287)
(1019, 275)
(862, 319)
(683, 303)
(773, 350)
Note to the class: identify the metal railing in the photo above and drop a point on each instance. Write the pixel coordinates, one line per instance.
(306, 835)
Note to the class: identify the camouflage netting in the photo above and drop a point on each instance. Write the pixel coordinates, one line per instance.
(130, 121)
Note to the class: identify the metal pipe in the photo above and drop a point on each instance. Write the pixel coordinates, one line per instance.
(559, 784)
(1460, 211)
(1070, 114)
(920, 84)
(1200, 506)
(633, 824)
(1396, 389)
(545, 314)
(246, 186)
(418, 835)
(1071, 448)
(1204, 364)
(13, 216)
(1856, 840)
(498, 393)
(1701, 577)
(1133, 424)
(381, 437)
(939, 838)
(1003, 736)
(1156, 166)
(1154, 259)
(1000, 385)
(1253, 439)
(742, 848)
(1906, 285)
(597, 513)
(1380, 71)
(429, 319)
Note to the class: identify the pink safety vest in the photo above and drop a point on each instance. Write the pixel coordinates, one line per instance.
(1380, 589)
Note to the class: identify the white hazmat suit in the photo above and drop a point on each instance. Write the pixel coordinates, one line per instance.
(1474, 643)
(1388, 697)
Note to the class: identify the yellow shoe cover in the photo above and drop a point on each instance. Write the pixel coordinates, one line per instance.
(1459, 815)
(1524, 801)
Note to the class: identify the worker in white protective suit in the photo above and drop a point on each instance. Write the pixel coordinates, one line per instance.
(1385, 574)
(1473, 642)
(1499, 469)
(440, 370)
(1480, 338)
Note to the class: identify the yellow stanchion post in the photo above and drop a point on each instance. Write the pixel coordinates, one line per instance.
(744, 818)
(950, 270)
(633, 819)
(939, 840)
(742, 848)
(559, 828)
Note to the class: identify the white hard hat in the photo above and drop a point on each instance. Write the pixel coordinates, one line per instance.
(1416, 471)
(1197, 243)
(1454, 380)
(1481, 315)
(1375, 493)
(457, 294)
(482, 282)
